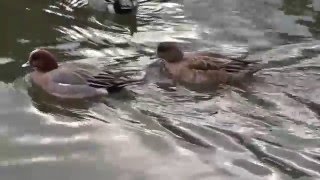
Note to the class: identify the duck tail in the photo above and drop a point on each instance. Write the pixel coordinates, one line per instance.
(131, 82)
(246, 61)
(241, 58)
(113, 82)
(253, 69)
(116, 87)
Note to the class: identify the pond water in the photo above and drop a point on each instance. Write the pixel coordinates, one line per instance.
(268, 130)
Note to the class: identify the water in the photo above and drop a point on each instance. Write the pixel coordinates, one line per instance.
(268, 130)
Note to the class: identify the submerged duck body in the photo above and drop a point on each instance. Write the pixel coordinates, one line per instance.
(111, 6)
(73, 80)
(121, 6)
(203, 68)
(115, 6)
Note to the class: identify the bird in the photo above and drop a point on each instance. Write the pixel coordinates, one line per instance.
(73, 79)
(121, 6)
(111, 6)
(204, 68)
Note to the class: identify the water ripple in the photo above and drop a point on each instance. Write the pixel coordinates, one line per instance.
(266, 130)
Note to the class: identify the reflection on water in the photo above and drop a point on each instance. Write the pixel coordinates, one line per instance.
(268, 130)
(307, 13)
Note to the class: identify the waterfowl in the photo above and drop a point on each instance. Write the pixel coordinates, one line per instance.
(121, 6)
(112, 6)
(203, 68)
(73, 80)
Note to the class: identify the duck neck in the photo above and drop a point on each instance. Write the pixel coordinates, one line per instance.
(177, 57)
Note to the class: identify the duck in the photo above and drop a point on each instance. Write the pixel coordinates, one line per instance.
(73, 80)
(122, 6)
(204, 68)
(111, 6)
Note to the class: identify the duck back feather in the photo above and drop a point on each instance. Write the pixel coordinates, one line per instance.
(78, 73)
(111, 81)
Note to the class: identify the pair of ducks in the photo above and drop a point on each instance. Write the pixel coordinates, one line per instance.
(70, 80)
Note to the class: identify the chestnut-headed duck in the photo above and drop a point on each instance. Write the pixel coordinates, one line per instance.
(203, 68)
(73, 80)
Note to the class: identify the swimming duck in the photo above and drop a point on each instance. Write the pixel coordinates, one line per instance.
(73, 80)
(121, 6)
(112, 6)
(115, 6)
(203, 68)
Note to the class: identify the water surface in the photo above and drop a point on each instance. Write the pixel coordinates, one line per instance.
(268, 130)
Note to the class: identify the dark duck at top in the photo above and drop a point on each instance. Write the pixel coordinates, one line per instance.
(111, 6)
(121, 6)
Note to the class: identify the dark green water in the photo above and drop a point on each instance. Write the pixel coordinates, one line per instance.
(268, 131)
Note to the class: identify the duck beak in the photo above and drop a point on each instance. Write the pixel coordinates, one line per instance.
(27, 64)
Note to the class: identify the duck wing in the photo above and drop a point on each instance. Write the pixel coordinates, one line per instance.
(216, 55)
(92, 77)
(65, 76)
(207, 63)
(68, 84)
(241, 66)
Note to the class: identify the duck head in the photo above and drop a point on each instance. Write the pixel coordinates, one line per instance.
(123, 6)
(41, 60)
(169, 51)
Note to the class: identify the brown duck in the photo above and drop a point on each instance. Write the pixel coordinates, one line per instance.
(203, 68)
